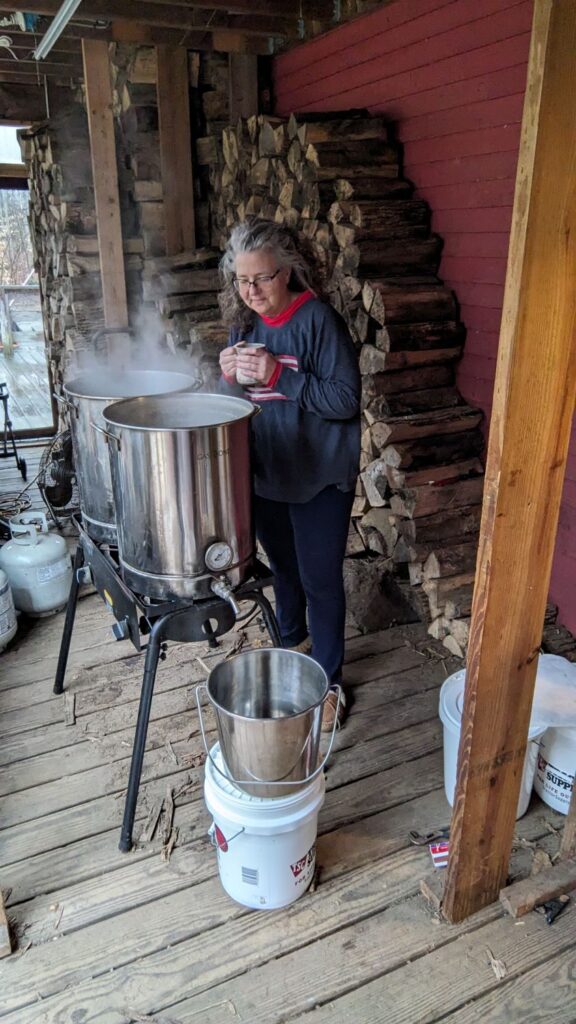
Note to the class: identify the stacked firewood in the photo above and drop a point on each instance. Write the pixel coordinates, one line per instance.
(61, 212)
(184, 289)
(337, 180)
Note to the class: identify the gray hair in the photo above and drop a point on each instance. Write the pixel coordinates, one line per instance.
(290, 249)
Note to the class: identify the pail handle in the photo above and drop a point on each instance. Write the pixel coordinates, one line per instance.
(213, 838)
(264, 782)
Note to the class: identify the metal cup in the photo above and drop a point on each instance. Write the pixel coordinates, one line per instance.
(242, 378)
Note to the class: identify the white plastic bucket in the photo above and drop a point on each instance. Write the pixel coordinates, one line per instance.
(451, 705)
(555, 770)
(266, 847)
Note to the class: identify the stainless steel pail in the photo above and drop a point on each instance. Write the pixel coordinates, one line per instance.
(86, 397)
(268, 705)
(183, 491)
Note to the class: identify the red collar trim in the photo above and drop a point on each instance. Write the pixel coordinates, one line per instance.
(282, 318)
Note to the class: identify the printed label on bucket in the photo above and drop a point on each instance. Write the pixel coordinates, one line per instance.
(304, 862)
(557, 783)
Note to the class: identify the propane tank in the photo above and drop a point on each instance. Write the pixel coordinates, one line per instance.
(37, 564)
(8, 624)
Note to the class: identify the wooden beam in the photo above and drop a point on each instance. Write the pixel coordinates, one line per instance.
(105, 175)
(568, 845)
(13, 171)
(173, 15)
(243, 83)
(176, 149)
(534, 397)
(521, 897)
(225, 40)
(281, 9)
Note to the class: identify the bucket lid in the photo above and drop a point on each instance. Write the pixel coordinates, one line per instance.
(555, 692)
(452, 705)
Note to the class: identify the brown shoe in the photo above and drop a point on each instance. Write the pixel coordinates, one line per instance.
(332, 708)
(303, 648)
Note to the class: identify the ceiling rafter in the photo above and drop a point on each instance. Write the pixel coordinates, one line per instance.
(170, 15)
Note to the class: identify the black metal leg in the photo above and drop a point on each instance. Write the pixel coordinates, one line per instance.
(151, 664)
(268, 615)
(69, 622)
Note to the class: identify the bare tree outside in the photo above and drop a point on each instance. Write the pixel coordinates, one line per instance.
(16, 256)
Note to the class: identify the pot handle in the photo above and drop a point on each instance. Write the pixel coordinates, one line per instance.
(66, 402)
(107, 434)
(262, 782)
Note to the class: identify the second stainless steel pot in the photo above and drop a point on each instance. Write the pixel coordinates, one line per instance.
(182, 488)
(86, 396)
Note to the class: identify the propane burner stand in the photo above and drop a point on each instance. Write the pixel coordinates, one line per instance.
(183, 621)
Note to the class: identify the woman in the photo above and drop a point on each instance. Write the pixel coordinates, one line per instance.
(304, 375)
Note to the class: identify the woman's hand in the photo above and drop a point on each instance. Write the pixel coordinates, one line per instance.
(257, 363)
(228, 357)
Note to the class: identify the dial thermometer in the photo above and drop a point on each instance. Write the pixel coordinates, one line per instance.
(218, 556)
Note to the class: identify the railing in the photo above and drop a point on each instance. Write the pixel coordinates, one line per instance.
(6, 328)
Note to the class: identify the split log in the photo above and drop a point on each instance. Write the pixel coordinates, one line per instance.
(388, 218)
(438, 475)
(387, 304)
(441, 421)
(416, 502)
(336, 129)
(436, 451)
(427, 377)
(441, 528)
(454, 589)
(373, 360)
(188, 281)
(451, 561)
(378, 532)
(384, 406)
(399, 257)
(370, 185)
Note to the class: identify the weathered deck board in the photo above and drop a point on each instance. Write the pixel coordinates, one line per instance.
(137, 936)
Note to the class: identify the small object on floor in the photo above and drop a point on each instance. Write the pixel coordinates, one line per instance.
(498, 966)
(439, 853)
(332, 708)
(425, 838)
(552, 908)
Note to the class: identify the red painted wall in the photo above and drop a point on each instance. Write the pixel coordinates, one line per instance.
(451, 74)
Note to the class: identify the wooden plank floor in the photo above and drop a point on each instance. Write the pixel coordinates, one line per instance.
(118, 939)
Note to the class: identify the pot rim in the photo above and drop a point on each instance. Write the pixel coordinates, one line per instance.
(74, 390)
(108, 413)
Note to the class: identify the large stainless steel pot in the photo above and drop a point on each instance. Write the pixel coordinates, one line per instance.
(182, 487)
(87, 396)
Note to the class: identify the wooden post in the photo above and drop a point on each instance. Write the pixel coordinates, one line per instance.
(568, 846)
(533, 404)
(105, 175)
(176, 148)
(243, 85)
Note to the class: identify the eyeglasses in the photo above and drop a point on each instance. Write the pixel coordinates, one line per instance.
(262, 281)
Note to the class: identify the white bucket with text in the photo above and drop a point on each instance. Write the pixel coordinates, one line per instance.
(556, 765)
(265, 846)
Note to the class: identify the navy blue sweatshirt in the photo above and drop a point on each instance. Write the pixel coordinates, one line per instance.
(307, 436)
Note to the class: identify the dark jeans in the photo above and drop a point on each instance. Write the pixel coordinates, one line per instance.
(305, 544)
